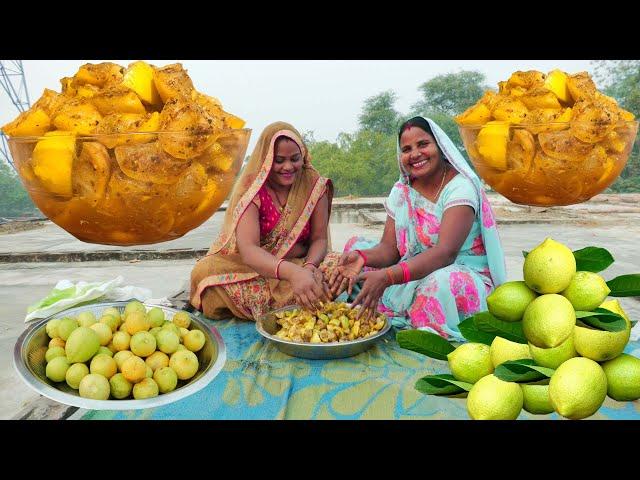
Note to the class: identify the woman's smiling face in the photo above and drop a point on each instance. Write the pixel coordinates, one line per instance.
(419, 152)
(287, 162)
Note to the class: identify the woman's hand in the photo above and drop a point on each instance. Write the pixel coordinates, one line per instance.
(318, 274)
(374, 285)
(346, 273)
(309, 288)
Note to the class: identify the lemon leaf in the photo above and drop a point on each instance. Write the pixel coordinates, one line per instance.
(523, 370)
(490, 324)
(426, 343)
(470, 331)
(602, 319)
(592, 259)
(625, 285)
(442, 384)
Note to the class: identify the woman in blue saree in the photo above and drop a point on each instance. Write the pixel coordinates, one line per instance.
(440, 255)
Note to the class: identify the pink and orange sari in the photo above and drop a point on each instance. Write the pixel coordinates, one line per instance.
(222, 285)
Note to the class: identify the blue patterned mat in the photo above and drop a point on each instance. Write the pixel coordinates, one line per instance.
(260, 382)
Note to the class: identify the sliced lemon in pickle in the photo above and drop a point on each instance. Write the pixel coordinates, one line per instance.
(139, 78)
(50, 101)
(216, 158)
(475, 115)
(127, 123)
(33, 122)
(118, 99)
(189, 190)
(52, 161)
(540, 98)
(91, 172)
(189, 129)
(160, 220)
(172, 81)
(556, 81)
(147, 162)
(564, 146)
(595, 164)
(520, 150)
(78, 116)
(509, 109)
(581, 86)
(593, 120)
(527, 79)
(98, 74)
(492, 144)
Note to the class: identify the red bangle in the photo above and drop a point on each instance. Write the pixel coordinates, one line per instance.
(278, 268)
(406, 274)
(364, 257)
(309, 263)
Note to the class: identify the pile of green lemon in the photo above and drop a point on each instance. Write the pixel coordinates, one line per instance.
(587, 363)
(136, 353)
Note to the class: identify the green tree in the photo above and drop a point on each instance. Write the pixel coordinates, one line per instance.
(379, 114)
(450, 94)
(14, 200)
(621, 80)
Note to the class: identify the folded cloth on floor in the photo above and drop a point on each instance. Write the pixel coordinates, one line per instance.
(67, 294)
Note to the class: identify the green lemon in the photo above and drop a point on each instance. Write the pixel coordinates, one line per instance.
(54, 352)
(52, 328)
(94, 386)
(623, 377)
(600, 345)
(83, 343)
(509, 301)
(548, 320)
(549, 267)
(493, 399)
(577, 388)
(57, 369)
(586, 291)
(120, 386)
(66, 326)
(86, 319)
(75, 374)
(536, 399)
(470, 362)
(553, 357)
(503, 350)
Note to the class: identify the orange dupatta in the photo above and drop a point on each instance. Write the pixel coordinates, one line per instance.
(223, 266)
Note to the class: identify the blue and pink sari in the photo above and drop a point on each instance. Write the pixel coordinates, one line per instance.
(442, 299)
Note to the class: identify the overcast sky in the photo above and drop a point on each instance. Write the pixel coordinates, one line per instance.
(322, 96)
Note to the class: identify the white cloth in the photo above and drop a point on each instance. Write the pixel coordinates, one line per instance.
(67, 294)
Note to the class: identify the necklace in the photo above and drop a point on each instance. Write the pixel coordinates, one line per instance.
(444, 174)
(280, 205)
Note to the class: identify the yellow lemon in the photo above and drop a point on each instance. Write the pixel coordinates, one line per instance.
(503, 350)
(536, 399)
(509, 301)
(493, 399)
(623, 377)
(553, 357)
(470, 362)
(600, 345)
(577, 388)
(548, 320)
(586, 291)
(549, 267)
